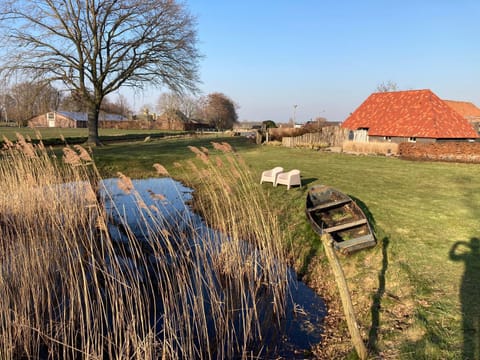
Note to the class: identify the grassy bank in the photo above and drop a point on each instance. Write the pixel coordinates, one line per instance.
(412, 292)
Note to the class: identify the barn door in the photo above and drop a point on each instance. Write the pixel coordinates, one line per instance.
(360, 135)
(51, 119)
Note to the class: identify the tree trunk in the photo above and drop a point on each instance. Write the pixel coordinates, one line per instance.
(92, 124)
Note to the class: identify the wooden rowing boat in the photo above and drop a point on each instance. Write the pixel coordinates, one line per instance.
(336, 214)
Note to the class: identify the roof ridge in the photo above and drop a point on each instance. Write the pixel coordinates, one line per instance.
(459, 101)
(402, 91)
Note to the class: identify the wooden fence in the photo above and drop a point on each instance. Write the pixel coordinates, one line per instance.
(329, 136)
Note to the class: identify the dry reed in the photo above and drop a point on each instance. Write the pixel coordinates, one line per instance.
(378, 148)
(173, 291)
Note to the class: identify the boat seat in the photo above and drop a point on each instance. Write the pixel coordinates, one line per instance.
(345, 226)
(329, 205)
(362, 242)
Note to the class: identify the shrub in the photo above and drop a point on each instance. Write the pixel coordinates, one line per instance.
(279, 133)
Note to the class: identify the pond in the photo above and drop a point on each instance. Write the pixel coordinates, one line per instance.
(162, 204)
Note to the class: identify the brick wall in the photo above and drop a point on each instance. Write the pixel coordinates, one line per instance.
(442, 151)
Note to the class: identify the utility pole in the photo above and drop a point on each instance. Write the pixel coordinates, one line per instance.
(294, 113)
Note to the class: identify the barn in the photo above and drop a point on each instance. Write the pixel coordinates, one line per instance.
(70, 119)
(408, 116)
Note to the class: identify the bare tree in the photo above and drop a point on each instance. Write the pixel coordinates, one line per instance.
(190, 106)
(168, 101)
(186, 104)
(25, 100)
(123, 105)
(220, 111)
(73, 102)
(120, 106)
(97, 46)
(387, 86)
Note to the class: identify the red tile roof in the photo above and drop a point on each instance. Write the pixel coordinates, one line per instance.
(412, 113)
(464, 108)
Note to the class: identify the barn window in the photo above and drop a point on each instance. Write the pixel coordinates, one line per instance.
(412, 139)
(387, 138)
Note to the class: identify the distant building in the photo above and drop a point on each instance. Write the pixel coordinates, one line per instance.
(173, 120)
(70, 119)
(468, 110)
(413, 115)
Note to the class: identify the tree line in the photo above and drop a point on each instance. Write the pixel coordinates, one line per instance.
(23, 101)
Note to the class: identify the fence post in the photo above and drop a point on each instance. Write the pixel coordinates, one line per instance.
(357, 340)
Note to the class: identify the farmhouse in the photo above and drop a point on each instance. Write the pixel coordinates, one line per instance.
(70, 119)
(413, 115)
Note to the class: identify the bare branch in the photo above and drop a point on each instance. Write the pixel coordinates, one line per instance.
(97, 46)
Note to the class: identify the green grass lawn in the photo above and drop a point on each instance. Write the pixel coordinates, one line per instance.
(136, 158)
(414, 299)
(420, 211)
(52, 135)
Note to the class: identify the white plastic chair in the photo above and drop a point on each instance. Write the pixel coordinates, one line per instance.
(271, 175)
(289, 178)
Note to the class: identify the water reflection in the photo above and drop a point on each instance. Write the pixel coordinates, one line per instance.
(302, 325)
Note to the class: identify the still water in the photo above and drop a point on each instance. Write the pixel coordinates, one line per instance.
(302, 326)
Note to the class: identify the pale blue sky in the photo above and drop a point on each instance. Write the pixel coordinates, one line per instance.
(329, 56)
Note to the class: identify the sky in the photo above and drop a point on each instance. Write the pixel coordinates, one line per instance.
(303, 59)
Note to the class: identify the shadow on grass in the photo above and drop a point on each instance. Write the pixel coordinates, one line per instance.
(469, 254)
(307, 181)
(377, 298)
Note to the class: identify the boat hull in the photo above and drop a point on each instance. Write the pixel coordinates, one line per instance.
(334, 214)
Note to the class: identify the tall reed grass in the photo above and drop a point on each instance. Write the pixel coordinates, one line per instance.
(72, 290)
